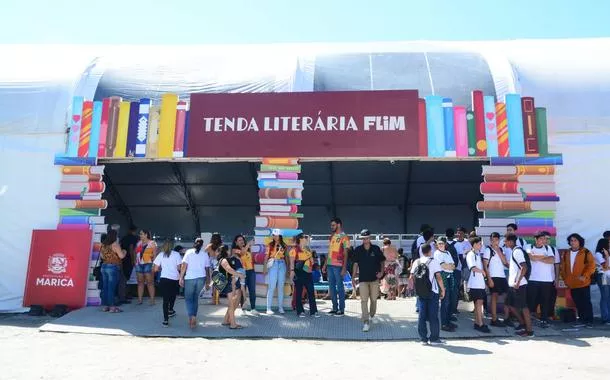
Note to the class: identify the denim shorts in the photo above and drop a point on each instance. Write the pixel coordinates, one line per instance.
(144, 268)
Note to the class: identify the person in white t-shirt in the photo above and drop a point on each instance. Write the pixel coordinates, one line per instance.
(516, 298)
(511, 229)
(553, 301)
(495, 263)
(168, 262)
(462, 246)
(602, 259)
(444, 258)
(476, 283)
(427, 237)
(542, 278)
(428, 303)
(194, 275)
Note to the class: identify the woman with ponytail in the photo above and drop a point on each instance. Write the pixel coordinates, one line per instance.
(230, 266)
(194, 275)
(168, 262)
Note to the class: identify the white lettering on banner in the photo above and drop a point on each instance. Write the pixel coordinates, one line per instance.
(304, 123)
(60, 282)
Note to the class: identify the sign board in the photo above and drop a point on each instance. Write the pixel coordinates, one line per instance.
(58, 268)
(349, 124)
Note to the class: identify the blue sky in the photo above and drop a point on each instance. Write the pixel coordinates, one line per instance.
(275, 21)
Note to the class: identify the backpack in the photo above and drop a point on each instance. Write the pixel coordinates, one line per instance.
(528, 262)
(453, 252)
(423, 286)
(219, 279)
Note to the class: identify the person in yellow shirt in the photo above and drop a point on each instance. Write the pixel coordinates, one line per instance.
(301, 266)
(336, 266)
(275, 267)
(241, 249)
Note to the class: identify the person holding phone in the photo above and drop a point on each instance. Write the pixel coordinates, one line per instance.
(241, 249)
(230, 266)
(275, 269)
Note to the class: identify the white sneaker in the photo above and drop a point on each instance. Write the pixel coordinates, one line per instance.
(270, 312)
(254, 312)
(436, 342)
(281, 311)
(372, 320)
(317, 315)
(366, 327)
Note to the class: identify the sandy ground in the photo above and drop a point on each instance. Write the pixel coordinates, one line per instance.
(29, 354)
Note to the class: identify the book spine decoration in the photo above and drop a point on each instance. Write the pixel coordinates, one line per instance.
(541, 128)
(167, 125)
(502, 127)
(423, 128)
(85, 130)
(142, 130)
(280, 193)
(450, 149)
(460, 131)
(120, 149)
(153, 132)
(472, 134)
(96, 123)
(75, 126)
(180, 125)
(132, 131)
(113, 125)
(530, 131)
(436, 126)
(514, 117)
(479, 122)
(101, 151)
(491, 130)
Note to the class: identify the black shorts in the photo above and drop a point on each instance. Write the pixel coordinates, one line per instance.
(500, 285)
(517, 298)
(477, 294)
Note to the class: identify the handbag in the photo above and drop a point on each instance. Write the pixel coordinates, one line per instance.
(97, 270)
(219, 280)
(270, 263)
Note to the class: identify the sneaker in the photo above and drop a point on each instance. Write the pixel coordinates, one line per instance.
(544, 324)
(339, 314)
(270, 312)
(436, 342)
(520, 328)
(589, 325)
(301, 315)
(316, 315)
(484, 329)
(607, 323)
(525, 334)
(447, 328)
(497, 323)
(254, 312)
(453, 319)
(165, 324)
(508, 323)
(332, 312)
(366, 327)
(424, 342)
(578, 325)
(172, 313)
(372, 320)
(453, 325)
(281, 310)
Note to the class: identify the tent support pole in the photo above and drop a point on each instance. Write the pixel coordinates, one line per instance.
(188, 197)
(407, 194)
(121, 206)
(333, 204)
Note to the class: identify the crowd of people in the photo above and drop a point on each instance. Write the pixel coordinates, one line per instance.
(439, 270)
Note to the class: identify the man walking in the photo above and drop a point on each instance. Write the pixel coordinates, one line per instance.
(336, 266)
(128, 244)
(368, 265)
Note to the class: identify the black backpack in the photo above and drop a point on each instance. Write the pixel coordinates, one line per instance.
(528, 262)
(414, 249)
(453, 252)
(423, 286)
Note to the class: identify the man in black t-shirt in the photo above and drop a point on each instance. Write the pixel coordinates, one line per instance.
(368, 266)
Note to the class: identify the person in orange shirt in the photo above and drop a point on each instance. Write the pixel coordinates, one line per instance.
(577, 266)
(336, 266)
(242, 250)
(146, 251)
(301, 266)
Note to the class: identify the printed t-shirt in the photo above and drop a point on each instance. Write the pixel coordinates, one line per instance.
(476, 280)
(338, 245)
(496, 267)
(247, 261)
(276, 253)
(433, 268)
(169, 265)
(305, 255)
(148, 255)
(196, 263)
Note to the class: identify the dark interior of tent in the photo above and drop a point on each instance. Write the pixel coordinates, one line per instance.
(181, 199)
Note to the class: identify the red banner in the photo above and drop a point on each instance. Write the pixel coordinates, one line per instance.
(304, 124)
(58, 268)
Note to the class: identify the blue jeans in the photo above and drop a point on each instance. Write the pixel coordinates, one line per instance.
(251, 285)
(110, 281)
(335, 287)
(604, 303)
(276, 279)
(450, 298)
(428, 311)
(457, 281)
(192, 288)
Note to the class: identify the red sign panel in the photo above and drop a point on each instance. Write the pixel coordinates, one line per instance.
(304, 124)
(58, 268)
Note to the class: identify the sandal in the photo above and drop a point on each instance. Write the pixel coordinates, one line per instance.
(115, 310)
(236, 327)
(105, 309)
(225, 324)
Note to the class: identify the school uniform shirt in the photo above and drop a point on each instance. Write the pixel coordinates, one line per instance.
(337, 249)
(169, 265)
(462, 247)
(496, 268)
(521, 243)
(476, 280)
(432, 245)
(542, 272)
(433, 268)
(443, 257)
(514, 270)
(196, 263)
(600, 260)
